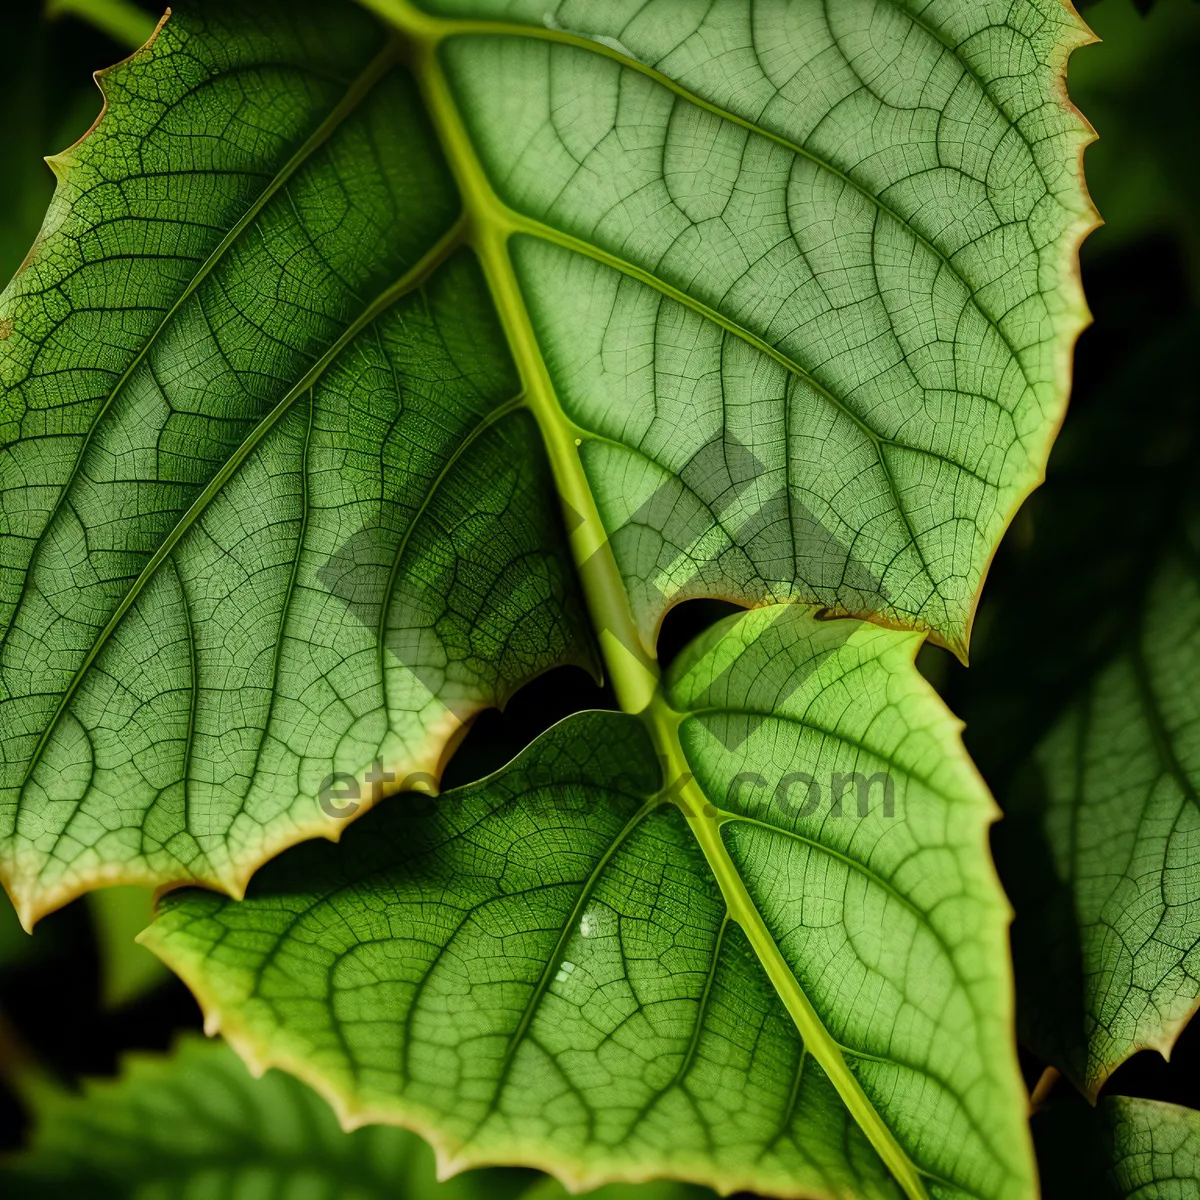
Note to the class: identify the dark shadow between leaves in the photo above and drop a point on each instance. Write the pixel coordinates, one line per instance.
(497, 736)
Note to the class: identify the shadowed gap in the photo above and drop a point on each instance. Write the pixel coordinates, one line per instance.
(496, 737)
(687, 621)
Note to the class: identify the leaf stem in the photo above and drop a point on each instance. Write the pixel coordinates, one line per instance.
(704, 821)
(1042, 1089)
(630, 664)
(631, 667)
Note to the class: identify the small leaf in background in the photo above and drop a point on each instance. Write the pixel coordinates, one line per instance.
(1153, 1148)
(195, 1125)
(1115, 786)
(1088, 734)
(1084, 697)
(1126, 1148)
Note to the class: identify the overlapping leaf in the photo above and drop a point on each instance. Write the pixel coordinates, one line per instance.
(546, 968)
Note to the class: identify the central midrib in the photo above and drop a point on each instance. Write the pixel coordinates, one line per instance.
(420, 25)
(637, 685)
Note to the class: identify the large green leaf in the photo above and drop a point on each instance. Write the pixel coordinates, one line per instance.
(550, 967)
(790, 302)
(194, 1126)
(1153, 1149)
(174, 698)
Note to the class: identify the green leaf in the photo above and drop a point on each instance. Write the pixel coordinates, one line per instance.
(721, 233)
(1113, 789)
(550, 967)
(790, 307)
(195, 1125)
(1153, 1148)
(1084, 709)
(222, 650)
(1124, 1148)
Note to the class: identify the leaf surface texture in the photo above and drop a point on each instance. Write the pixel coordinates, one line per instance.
(805, 306)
